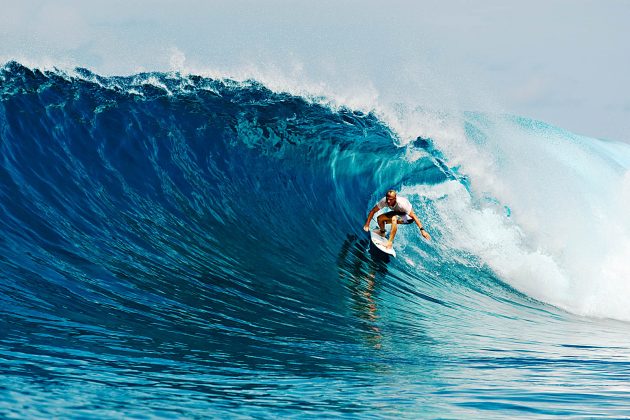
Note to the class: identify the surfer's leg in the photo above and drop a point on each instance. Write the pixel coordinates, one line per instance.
(382, 220)
(392, 234)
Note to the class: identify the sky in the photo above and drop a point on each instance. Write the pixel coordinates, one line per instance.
(565, 62)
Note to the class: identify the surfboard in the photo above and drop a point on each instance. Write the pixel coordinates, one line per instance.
(380, 243)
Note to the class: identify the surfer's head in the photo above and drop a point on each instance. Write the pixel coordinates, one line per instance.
(390, 197)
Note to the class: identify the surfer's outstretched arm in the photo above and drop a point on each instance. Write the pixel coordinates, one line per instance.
(423, 232)
(366, 227)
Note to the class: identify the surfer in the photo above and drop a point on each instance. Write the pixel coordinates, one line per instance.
(401, 212)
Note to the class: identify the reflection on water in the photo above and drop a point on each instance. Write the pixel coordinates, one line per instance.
(359, 270)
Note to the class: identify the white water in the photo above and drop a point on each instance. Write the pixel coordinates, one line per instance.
(547, 209)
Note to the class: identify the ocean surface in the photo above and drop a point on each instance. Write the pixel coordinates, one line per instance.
(175, 246)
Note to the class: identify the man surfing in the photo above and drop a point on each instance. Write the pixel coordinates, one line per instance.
(401, 211)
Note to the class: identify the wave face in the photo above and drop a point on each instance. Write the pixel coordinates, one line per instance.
(181, 246)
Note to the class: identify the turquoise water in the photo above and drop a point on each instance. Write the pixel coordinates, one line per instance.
(176, 246)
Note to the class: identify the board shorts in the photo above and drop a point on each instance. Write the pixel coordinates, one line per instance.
(402, 218)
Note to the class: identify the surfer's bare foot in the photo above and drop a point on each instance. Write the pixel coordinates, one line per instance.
(389, 244)
(380, 232)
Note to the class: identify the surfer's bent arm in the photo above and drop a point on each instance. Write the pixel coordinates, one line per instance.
(423, 232)
(366, 227)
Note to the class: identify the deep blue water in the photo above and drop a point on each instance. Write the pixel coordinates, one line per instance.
(176, 246)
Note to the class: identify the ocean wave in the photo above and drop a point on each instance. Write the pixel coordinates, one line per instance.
(204, 237)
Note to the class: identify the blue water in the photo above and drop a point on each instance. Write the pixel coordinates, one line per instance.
(176, 246)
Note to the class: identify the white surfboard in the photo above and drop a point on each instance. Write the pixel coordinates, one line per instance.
(380, 243)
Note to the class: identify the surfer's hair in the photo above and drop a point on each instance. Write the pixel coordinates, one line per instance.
(391, 192)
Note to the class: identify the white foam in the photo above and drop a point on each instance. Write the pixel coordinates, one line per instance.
(566, 238)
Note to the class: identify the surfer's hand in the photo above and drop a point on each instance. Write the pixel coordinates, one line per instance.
(366, 228)
(425, 234)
